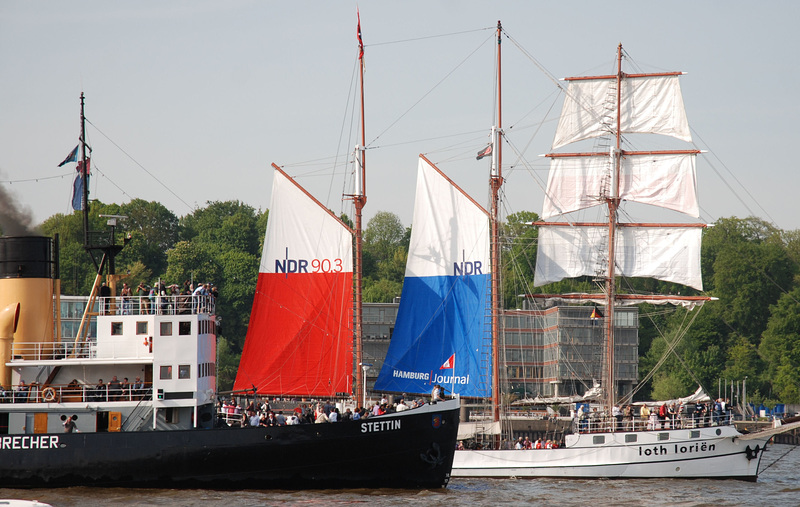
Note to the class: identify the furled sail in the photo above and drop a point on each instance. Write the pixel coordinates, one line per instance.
(664, 179)
(666, 253)
(442, 330)
(649, 105)
(299, 341)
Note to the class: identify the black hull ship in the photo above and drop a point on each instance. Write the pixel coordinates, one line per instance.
(160, 420)
(412, 450)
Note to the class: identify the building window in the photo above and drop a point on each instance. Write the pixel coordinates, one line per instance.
(184, 371)
(184, 328)
(166, 329)
(166, 372)
(116, 329)
(141, 328)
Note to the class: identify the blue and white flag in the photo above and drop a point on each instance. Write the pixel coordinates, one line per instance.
(72, 157)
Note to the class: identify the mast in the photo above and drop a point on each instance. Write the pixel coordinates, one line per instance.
(359, 200)
(85, 196)
(496, 181)
(612, 202)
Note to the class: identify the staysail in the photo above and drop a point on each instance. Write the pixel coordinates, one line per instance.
(442, 330)
(299, 340)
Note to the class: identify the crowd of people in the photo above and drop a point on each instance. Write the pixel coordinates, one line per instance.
(159, 298)
(663, 416)
(260, 414)
(116, 390)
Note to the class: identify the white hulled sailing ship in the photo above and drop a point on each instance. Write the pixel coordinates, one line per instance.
(615, 106)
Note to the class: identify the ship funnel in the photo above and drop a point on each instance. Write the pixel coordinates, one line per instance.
(9, 318)
(28, 277)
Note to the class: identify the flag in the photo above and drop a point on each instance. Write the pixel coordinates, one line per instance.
(72, 157)
(77, 193)
(449, 364)
(79, 167)
(484, 152)
(596, 315)
(360, 42)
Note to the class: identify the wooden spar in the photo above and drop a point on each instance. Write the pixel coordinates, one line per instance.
(611, 289)
(359, 200)
(496, 181)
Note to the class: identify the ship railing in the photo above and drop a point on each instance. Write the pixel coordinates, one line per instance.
(231, 418)
(181, 304)
(120, 348)
(610, 424)
(74, 392)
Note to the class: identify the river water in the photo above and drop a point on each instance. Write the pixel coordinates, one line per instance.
(778, 485)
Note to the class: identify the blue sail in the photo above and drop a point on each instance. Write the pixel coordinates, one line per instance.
(442, 332)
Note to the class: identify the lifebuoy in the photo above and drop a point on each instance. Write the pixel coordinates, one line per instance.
(49, 394)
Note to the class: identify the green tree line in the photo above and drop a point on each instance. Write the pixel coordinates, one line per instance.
(752, 330)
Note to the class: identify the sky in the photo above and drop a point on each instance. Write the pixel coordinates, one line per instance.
(192, 101)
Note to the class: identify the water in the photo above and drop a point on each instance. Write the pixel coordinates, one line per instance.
(778, 485)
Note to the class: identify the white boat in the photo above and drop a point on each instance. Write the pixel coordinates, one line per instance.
(610, 108)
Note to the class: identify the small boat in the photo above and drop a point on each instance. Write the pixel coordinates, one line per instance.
(162, 429)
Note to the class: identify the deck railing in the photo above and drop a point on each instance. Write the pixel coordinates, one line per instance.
(73, 392)
(156, 305)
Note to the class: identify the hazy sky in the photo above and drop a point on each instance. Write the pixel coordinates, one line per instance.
(191, 101)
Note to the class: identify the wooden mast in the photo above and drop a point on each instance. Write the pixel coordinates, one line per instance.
(496, 181)
(613, 204)
(359, 199)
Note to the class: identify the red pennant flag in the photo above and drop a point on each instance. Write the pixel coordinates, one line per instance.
(449, 364)
(484, 152)
(360, 42)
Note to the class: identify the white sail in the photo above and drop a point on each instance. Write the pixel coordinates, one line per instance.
(666, 180)
(671, 254)
(650, 105)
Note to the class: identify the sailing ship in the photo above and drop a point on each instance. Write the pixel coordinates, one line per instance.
(165, 431)
(618, 105)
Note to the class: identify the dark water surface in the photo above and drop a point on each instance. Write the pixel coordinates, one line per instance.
(778, 485)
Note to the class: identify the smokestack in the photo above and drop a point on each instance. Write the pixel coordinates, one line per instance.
(28, 277)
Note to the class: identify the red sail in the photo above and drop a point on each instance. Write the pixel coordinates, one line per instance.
(299, 341)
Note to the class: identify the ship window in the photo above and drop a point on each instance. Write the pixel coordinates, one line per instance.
(184, 328)
(184, 371)
(166, 329)
(166, 372)
(663, 436)
(631, 437)
(598, 439)
(141, 328)
(694, 434)
(171, 415)
(116, 329)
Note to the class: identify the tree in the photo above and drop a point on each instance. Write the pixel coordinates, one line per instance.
(381, 291)
(383, 235)
(153, 230)
(518, 255)
(780, 347)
